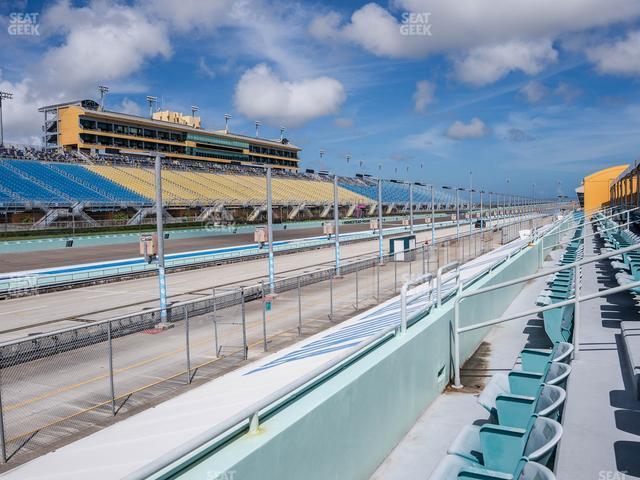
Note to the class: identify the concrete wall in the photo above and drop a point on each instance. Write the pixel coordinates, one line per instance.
(345, 427)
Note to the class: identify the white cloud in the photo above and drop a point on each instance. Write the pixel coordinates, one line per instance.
(20, 114)
(533, 91)
(260, 94)
(103, 42)
(465, 24)
(621, 57)
(130, 107)
(484, 65)
(474, 129)
(423, 95)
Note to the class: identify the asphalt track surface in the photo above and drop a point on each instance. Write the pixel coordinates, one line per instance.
(71, 256)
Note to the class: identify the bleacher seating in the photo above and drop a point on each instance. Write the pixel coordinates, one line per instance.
(523, 429)
(58, 183)
(558, 322)
(185, 187)
(525, 405)
(34, 175)
(395, 192)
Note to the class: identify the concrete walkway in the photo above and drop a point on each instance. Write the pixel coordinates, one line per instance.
(417, 455)
(602, 419)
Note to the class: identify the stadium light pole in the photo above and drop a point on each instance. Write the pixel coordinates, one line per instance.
(151, 99)
(258, 123)
(3, 96)
(194, 109)
(227, 117)
(270, 231)
(103, 91)
(160, 233)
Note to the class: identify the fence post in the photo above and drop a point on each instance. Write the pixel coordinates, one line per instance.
(299, 308)
(244, 325)
(395, 275)
(215, 337)
(264, 317)
(331, 295)
(424, 267)
(378, 282)
(356, 288)
(188, 351)
(213, 295)
(111, 385)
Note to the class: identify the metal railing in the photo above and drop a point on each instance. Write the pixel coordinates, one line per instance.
(574, 300)
(96, 369)
(248, 419)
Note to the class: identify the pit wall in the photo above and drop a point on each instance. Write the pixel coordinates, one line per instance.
(346, 426)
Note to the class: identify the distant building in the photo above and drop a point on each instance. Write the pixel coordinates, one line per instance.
(597, 187)
(82, 125)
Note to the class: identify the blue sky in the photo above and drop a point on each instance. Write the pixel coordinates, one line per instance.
(537, 92)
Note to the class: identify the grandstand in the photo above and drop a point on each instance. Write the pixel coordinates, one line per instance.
(51, 185)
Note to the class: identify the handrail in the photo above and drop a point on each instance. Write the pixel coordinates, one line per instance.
(403, 297)
(602, 218)
(575, 300)
(444, 269)
(252, 412)
(592, 234)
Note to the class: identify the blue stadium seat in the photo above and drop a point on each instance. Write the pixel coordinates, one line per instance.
(68, 184)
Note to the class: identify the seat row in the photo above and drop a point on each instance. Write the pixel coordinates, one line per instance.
(518, 439)
(628, 264)
(558, 322)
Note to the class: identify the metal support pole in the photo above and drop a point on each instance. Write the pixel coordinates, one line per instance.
(411, 208)
(264, 317)
(160, 234)
(456, 339)
(270, 230)
(336, 219)
(424, 265)
(188, 348)
(458, 214)
(395, 275)
(378, 283)
(433, 216)
(380, 239)
(299, 307)
(331, 295)
(244, 325)
(357, 298)
(111, 385)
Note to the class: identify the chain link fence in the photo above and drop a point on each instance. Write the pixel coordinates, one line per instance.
(66, 383)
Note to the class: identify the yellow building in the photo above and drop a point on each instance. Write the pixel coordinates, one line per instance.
(597, 187)
(84, 126)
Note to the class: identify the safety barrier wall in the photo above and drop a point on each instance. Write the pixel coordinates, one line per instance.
(346, 426)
